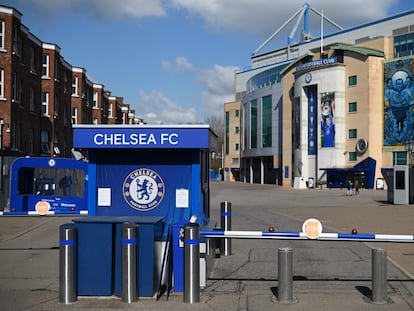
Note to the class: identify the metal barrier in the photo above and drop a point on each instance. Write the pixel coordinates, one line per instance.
(225, 220)
(67, 267)
(312, 229)
(129, 262)
(302, 236)
(285, 276)
(379, 276)
(191, 263)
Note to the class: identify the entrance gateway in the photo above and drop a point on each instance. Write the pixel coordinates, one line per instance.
(154, 176)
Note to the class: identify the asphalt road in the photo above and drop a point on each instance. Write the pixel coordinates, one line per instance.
(327, 275)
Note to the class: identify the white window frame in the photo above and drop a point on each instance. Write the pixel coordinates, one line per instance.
(45, 104)
(2, 34)
(45, 65)
(74, 115)
(2, 83)
(110, 111)
(95, 100)
(75, 84)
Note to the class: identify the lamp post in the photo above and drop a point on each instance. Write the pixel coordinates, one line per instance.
(409, 148)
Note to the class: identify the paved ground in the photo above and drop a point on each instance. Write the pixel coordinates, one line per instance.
(327, 275)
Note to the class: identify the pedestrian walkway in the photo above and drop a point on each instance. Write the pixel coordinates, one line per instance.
(328, 275)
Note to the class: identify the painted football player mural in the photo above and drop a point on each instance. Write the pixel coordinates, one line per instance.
(398, 102)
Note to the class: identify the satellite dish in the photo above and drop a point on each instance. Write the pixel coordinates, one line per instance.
(361, 145)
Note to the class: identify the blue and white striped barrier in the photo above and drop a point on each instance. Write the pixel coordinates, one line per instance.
(302, 236)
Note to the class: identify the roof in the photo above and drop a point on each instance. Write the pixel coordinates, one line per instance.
(292, 64)
(358, 49)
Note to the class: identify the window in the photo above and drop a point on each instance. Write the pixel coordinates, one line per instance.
(32, 60)
(74, 115)
(56, 68)
(20, 94)
(95, 99)
(110, 111)
(31, 100)
(399, 158)
(75, 86)
(253, 124)
(352, 107)
(56, 106)
(404, 45)
(45, 65)
(236, 147)
(14, 87)
(237, 113)
(2, 31)
(45, 104)
(227, 131)
(267, 121)
(235, 161)
(65, 82)
(352, 156)
(16, 41)
(352, 80)
(44, 139)
(31, 141)
(237, 130)
(352, 133)
(1, 83)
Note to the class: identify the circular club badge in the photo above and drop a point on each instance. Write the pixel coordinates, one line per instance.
(143, 189)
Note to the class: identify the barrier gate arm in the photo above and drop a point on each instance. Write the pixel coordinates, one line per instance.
(372, 237)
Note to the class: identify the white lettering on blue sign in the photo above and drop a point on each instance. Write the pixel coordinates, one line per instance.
(122, 139)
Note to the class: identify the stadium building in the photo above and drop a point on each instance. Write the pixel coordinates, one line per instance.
(326, 110)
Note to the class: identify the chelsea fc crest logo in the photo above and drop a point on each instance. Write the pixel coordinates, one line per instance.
(143, 189)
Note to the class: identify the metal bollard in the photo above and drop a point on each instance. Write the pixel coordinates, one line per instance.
(191, 263)
(225, 219)
(379, 276)
(67, 264)
(285, 277)
(129, 262)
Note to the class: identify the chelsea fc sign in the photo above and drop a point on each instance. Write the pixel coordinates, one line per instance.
(143, 189)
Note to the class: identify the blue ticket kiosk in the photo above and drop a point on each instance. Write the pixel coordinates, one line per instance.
(156, 176)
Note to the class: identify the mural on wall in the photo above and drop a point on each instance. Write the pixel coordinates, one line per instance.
(398, 102)
(328, 120)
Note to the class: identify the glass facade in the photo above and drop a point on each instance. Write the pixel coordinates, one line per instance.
(267, 121)
(227, 131)
(253, 124)
(404, 45)
(265, 78)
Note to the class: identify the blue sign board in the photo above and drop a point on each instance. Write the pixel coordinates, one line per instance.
(142, 137)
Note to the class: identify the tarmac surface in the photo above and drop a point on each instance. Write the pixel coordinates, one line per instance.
(327, 275)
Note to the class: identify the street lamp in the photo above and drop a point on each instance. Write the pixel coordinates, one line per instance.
(409, 148)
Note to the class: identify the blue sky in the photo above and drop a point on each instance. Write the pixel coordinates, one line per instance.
(173, 61)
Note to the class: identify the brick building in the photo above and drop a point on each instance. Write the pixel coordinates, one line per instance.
(42, 95)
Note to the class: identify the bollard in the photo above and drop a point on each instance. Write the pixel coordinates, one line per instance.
(285, 277)
(379, 276)
(191, 263)
(129, 262)
(225, 219)
(67, 264)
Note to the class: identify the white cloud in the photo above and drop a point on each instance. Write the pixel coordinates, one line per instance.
(156, 108)
(104, 8)
(181, 64)
(259, 17)
(218, 88)
(265, 16)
